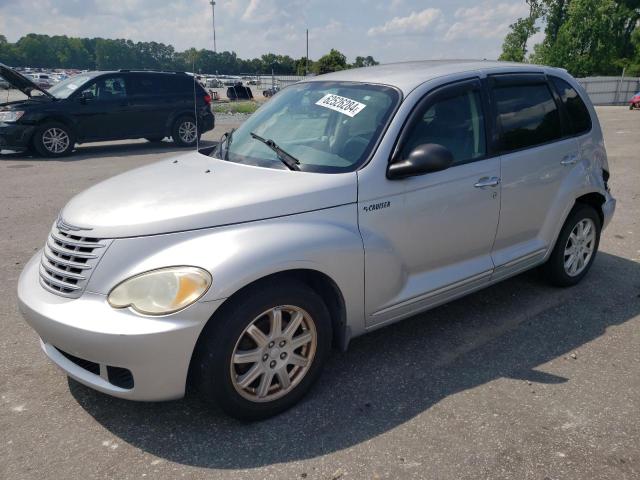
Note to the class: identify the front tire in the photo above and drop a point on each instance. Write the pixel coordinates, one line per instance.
(54, 139)
(262, 353)
(185, 132)
(576, 247)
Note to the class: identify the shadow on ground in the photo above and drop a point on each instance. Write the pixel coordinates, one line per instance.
(390, 376)
(109, 149)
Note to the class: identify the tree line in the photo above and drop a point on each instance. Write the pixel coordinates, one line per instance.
(60, 51)
(586, 37)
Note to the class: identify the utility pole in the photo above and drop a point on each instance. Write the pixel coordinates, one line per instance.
(213, 20)
(306, 59)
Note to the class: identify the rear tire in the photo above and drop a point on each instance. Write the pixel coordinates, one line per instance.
(184, 132)
(286, 370)
(576, 247)
(54, 139)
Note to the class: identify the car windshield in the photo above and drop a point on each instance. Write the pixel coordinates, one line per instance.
(68, 86)
(329, 127)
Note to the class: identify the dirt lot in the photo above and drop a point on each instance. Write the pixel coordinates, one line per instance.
(519, 381)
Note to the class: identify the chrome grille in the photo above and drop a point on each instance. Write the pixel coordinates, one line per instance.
(67, 262)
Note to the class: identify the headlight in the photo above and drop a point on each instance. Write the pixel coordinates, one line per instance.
(11, 116)
(162, 291)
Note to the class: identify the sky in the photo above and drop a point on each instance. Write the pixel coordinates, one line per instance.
(390, 31)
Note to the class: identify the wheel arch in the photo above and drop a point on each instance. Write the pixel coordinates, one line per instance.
(174, 117)
(60, 119)
(318, 281)
(595, 200)
(55, 118)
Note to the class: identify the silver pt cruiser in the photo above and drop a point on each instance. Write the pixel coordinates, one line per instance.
(347, 202)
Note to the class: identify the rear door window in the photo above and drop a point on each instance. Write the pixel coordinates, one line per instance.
(579, 116)
(527, 115)
(176, 83)
(145, 85)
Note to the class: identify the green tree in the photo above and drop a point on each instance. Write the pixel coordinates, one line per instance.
(367, 61)
(633, 68)
(590, 37)
(514, 48)
(8, 52)
(61, 51)
(331, 62)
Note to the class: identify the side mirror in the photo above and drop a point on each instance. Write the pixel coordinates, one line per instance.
(425, 158)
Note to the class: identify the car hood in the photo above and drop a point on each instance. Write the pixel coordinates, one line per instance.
(16, 105)
(20, 82)
(196, 191)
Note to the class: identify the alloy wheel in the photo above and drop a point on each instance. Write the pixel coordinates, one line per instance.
(55, 140)
(274, 353)
(188, 131)
(580, 247)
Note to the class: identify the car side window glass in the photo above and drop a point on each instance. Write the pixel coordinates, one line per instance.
(144, 85)
(457, 123)
(527, 115)
(577, 110)
(90, 90)
(110, 88)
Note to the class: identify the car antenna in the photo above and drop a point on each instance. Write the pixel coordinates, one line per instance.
(195, 105)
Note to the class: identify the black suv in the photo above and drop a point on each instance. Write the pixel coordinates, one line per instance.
(97, 106)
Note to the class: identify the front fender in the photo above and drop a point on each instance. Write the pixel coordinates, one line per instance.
(326, 241)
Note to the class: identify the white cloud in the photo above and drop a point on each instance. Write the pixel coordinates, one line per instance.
(416, 22)
(250, 12)
(385, 29)
(488, 20)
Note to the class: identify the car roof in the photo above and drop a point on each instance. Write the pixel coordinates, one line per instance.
(95, 73)
(408, 75)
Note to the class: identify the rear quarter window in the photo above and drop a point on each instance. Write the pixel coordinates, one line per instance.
(579, 116)
(174, 83)
(527, 115)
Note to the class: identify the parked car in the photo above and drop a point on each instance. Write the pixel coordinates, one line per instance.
(635, 101)
(350, 201)
(214, 83)
(98, 106)
(43, 80)
(270, 92)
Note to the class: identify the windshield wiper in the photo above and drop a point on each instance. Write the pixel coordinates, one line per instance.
(228, 136)
(289, 160)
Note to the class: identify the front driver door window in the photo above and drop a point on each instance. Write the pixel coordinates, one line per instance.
(441, 228)
(104, 113)
(455, 122)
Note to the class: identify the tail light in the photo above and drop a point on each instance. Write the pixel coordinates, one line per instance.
(207, 99)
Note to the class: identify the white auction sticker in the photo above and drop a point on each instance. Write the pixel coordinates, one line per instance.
(341, 104)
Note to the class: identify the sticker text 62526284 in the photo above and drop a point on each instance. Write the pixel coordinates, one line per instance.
(341, 104)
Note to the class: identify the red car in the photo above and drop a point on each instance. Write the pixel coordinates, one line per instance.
(635, 101)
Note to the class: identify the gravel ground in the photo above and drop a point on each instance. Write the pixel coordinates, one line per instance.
(519, 381)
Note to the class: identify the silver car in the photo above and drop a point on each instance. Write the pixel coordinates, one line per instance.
(346, 203)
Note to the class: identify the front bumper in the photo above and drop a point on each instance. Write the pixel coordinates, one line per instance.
(155, 350)
(14, 136)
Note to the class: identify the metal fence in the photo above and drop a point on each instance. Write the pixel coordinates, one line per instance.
(610, 90)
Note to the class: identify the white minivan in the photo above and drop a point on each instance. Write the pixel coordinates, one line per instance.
(347, 202)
